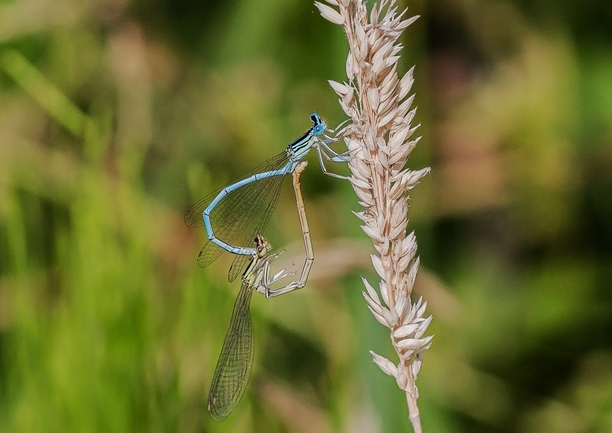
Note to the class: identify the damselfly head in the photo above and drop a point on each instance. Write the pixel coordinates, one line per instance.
(262, 246)
(319, 124)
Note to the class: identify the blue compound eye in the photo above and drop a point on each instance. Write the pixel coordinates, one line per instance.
(319, 124)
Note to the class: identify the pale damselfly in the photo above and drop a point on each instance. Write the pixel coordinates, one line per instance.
(234, 366)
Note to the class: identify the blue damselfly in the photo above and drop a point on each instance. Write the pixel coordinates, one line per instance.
(241, 210)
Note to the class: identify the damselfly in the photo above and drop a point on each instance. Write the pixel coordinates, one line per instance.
(234, 365)
(240, 211)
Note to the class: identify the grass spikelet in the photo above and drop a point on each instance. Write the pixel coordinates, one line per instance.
(380, 140)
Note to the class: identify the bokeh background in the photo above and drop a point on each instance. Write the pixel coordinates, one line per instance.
(116, 115)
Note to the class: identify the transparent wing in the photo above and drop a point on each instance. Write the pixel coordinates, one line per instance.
(238, 211)
(238, 216)
(234, 365)
(240, 262)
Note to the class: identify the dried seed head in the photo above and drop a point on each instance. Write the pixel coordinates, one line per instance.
(376, 100)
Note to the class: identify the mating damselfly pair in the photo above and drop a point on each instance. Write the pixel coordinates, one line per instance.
(242, 211)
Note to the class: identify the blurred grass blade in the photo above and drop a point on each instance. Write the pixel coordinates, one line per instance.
(43, 91)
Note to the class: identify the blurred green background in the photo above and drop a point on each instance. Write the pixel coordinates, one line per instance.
(116, 115)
